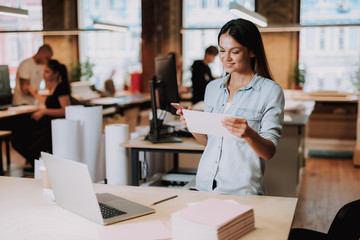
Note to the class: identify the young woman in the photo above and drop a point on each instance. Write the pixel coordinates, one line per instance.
(57, 82)
(256, 106)
(34, 135)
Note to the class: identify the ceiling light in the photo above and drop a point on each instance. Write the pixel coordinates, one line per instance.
(242, 12)
(110, 26)
(15, 12)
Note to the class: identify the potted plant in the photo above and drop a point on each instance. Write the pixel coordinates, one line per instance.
(298, 76)
(82, 71)
(355, 79)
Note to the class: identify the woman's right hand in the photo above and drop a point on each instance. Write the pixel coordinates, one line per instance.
(201, 138)
(182, 118)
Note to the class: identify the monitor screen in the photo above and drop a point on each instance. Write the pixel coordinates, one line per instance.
(164, 91)
(165, 70)
(5, 90)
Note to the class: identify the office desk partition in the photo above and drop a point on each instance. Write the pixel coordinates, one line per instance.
(189, 145)
(27, 214)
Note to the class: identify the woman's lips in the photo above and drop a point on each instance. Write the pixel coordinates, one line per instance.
(229, 65)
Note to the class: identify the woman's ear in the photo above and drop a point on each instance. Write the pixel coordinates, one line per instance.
(58, 77)
(252, 54)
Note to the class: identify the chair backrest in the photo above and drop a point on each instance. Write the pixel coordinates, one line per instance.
(74, 101)
(109, 87)
(346, 222)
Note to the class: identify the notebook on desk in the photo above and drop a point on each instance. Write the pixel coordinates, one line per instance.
(73, 190)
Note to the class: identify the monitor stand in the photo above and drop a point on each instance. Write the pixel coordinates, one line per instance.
(157, 133)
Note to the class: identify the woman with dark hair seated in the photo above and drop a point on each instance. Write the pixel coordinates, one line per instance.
(56, 80)
(34, 135)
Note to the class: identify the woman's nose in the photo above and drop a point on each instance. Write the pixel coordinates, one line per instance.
(228, 56)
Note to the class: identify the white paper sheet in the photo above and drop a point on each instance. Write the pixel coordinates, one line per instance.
(206, 123)
(287, 118)
(105, 100)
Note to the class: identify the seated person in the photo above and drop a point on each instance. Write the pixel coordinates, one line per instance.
(201, 74)
(33, 135)
(56, 80)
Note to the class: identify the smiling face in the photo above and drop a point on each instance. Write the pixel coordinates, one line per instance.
(235, 57)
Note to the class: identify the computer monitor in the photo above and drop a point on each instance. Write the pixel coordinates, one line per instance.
(5, 89)
(164, 91)
(165, 70)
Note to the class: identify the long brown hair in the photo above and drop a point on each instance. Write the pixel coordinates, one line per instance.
(248, 35)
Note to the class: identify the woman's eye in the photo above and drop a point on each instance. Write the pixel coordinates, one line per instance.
(235, 52)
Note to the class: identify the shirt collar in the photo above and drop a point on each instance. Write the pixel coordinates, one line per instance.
(255, 83)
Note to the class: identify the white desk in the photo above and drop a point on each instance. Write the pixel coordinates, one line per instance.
(189, 145)
(26, 214)
(19, 110)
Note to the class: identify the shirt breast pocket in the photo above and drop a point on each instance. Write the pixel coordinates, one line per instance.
(252, 117)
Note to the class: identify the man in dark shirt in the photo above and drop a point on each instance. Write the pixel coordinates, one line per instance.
(201, 74)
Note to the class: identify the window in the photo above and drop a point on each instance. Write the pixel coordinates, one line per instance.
(322, 39)
(341, 39)
(200, 30)
(16, 47)
(331, 54)
(111, 51)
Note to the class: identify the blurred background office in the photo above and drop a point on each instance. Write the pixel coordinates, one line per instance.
(310, 45)
(327, 44)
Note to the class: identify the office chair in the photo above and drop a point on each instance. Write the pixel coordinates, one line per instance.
(109, 87)
(345, 226)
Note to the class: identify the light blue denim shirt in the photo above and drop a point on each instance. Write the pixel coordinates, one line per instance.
(234, 165)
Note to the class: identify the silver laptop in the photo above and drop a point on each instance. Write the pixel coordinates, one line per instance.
(73, 190)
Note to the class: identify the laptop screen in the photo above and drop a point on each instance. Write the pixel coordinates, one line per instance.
(5, 90)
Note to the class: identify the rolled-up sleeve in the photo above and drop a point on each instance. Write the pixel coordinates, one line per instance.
(273, 117)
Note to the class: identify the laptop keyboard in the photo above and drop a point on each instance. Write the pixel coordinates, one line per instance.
(109, 212)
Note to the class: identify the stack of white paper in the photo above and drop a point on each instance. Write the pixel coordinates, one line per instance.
(213, 219)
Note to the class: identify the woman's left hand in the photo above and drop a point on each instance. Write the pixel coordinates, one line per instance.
(237, 126)
(37, 115)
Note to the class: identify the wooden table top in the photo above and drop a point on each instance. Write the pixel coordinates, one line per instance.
(187, 144)
(23, 109)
